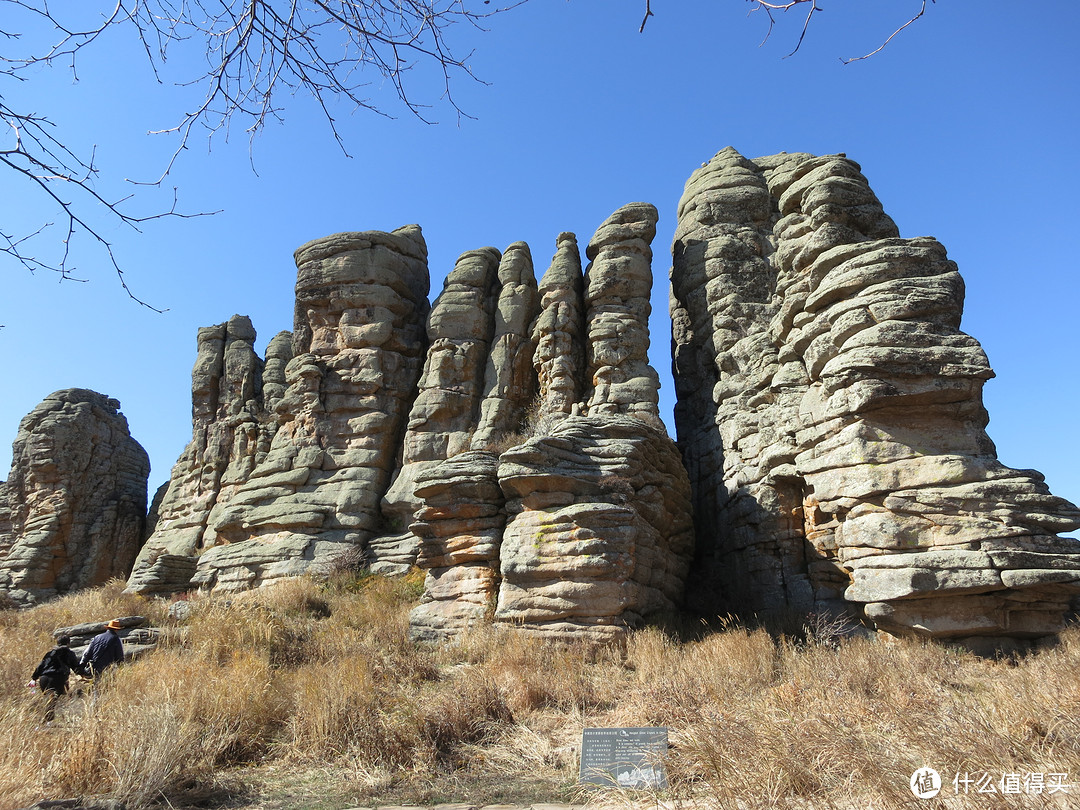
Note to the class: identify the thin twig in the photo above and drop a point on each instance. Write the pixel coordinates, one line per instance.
(922, 10)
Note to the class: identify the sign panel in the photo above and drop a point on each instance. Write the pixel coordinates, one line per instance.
(624, 757)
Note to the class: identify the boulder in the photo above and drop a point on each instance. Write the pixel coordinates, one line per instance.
(73, 509)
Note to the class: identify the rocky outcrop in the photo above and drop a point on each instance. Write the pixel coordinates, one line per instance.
(583, 529)
(73, 508)
(313, 457)
(233, 395)
(618, 282)
(559, 331)
(460, 528)
(831, 418)
(599, 534)
(460, 332)
(509, 377)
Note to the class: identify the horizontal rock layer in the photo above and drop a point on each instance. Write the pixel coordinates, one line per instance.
(830, 415)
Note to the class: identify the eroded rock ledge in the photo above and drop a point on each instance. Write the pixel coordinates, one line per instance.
(831, 417)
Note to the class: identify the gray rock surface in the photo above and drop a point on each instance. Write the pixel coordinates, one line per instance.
(831, 418)
(444, 416)
(311, 459)
(460, 527)
(233, 394)
(618, 282)
(559, 332)
(599, 534)
(73, 509)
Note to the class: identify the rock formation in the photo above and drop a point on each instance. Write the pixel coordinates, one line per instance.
(830, 416)
(599, 534)
(233, 395)
(460, 331)
(73, 508)
(832, 454)
(313, 490)
(582, 529)
(559, 332)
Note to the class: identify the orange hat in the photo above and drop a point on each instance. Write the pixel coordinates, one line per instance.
(114, 625)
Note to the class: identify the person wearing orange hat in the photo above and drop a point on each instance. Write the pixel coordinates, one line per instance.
(105, 649)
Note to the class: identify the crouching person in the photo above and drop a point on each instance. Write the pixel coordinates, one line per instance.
(52, 674)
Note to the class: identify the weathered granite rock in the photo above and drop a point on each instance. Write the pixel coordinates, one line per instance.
(233, 393)
(830, 416)
(339, 396)
(618, 282)
(559, 332)
(596, 534)
(460, 527)
(443, 417)
(74, 505)
(509, 378)
(599, 533)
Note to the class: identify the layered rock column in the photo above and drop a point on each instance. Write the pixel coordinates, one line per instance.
(74, 506)
(460, 528)
(460, 517)
(559, 331)
(583, 528)
(831, 417)
(358, 344)
(509, 377)
(460, 332)
(618, 282)
(599, 531)
(233, 394)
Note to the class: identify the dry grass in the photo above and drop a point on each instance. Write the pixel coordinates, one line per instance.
(310, 694)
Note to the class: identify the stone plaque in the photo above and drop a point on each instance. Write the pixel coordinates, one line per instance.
(624, 757)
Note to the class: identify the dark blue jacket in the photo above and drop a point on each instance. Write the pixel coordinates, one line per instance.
(105, 649)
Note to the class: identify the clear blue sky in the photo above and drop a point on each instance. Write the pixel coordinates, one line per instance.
(966, 126)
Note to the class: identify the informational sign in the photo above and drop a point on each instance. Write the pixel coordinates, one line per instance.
(624, 757)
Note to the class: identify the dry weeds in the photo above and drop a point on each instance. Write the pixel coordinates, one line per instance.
(312, 690)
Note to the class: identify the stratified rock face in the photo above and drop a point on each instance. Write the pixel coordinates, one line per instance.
(339, 397)
(233, 394)
(460, 528)
(559, 331)
(74, 505)
(460, 332)
(599, 533)
(618, 282)
(509, 377)
(830, 416)
(584, 529)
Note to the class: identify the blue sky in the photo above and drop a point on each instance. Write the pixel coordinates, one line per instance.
(965, 126)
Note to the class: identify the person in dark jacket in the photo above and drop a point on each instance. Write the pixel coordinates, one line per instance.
(105, 650)
(53, 671)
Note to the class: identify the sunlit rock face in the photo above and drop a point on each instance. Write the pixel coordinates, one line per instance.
(73, 508)
(581, 528)
(598, 534)
(338, 401)
(233, 395)
(831, 419)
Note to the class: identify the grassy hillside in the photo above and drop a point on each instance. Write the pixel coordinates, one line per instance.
(310, 695)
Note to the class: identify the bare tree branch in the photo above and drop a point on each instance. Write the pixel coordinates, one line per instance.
(922, 10)
(648, 13)
(254, 50)
(769, 7)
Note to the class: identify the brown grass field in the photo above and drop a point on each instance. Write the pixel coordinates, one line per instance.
(309, 695)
